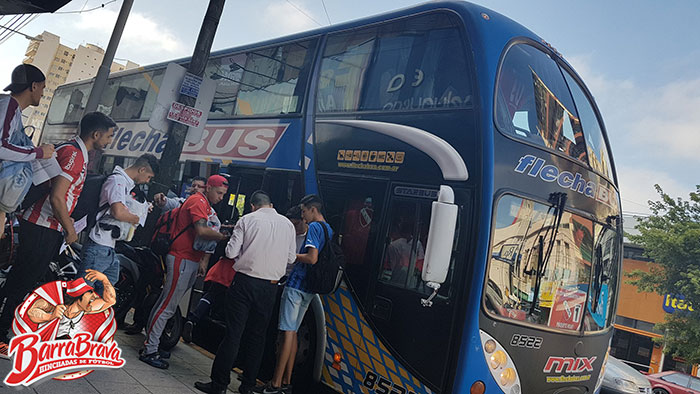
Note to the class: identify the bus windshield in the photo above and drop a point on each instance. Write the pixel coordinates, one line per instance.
(566, 275)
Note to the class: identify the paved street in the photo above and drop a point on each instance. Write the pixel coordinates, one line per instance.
(187, 365)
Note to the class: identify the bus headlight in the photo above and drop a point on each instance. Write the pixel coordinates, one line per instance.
(498, 359)
(500, 364)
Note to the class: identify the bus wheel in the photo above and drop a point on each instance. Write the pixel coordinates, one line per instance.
(172, 331)
(660, 391)
(126, 291)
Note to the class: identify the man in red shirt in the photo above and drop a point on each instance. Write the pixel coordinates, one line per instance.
(46, 224)
(183, 263)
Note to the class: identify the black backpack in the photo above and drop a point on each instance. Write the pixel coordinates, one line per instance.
(89, 200)
(163, 236)
(324, 276)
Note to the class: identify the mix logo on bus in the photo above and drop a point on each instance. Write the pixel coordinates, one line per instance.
(574, 366)
(536, 167)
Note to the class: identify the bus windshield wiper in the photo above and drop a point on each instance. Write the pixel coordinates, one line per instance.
(557, 201)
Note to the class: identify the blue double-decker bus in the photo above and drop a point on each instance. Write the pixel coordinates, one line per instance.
(465, 169)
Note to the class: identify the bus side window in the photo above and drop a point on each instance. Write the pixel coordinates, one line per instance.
(124, 98)
(227, 71)
(409, 64)
(274, 80)
(404, 252)
(76, 104)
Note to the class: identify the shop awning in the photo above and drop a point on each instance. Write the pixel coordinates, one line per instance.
(10, 7)
(638, 331)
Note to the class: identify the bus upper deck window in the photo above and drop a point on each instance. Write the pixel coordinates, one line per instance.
(533, 103)
(598, 154)
(411, 64)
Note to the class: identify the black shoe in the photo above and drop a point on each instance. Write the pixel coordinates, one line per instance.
(133, 329)
(267, 389)
(164, 354)
(245, 390)
(209, 387)
(286, 388)
(187, 331)
(154, 360)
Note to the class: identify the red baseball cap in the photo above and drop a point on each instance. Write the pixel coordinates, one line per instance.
(77, 287)
(217, 181)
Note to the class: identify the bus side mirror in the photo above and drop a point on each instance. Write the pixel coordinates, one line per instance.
(438, 251)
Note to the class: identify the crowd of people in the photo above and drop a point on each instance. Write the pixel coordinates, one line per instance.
(262, 249)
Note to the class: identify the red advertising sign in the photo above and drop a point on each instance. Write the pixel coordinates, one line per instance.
(244, 142)
(567, 309)
(183, 114)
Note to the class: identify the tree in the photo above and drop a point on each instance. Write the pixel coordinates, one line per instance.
(671, 237)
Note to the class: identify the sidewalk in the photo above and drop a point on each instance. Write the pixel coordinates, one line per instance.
(188, 364)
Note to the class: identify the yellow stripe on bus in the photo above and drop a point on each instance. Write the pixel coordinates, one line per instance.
(149, 80)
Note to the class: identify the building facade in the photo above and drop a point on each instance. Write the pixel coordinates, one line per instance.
(61, 64)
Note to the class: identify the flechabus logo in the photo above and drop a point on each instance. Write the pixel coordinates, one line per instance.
(34, 359)
(64, 330)
(536, 167)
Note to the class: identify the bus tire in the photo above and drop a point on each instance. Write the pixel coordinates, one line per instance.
(660, 391)
(304, 361)
(126, 291)
(171, 333)
(311, 350)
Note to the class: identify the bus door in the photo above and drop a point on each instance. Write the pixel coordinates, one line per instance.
(383, 228)
(420, 336)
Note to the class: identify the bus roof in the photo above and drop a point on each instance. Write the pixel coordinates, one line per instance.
(467, 11)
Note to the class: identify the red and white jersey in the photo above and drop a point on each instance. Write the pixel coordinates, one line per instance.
(73, 161)
(11, 123)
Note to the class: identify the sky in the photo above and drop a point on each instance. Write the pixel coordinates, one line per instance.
(639, 58)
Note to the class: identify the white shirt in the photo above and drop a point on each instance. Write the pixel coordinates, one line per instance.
(116, 188)
(300, 242)
(68, 326)
(399, 253)
(262, 244)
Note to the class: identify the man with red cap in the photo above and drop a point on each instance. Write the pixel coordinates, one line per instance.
(184, 263)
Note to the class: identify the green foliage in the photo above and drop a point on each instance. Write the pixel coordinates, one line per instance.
(671, 237)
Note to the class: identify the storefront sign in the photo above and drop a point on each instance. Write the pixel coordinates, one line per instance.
(676, 304)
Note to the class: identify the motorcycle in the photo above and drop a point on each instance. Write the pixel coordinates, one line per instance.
(141, 276)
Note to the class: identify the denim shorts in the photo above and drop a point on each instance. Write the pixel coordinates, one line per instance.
(293, 307)
(100, 258)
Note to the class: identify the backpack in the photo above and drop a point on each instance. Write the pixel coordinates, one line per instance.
(89, 200)
(162, 237)
(324, 276)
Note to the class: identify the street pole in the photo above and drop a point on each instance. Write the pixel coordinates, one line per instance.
(170, 158)
(103, 71)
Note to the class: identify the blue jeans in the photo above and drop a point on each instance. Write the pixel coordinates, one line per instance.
(99, 258)
(293, 308)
